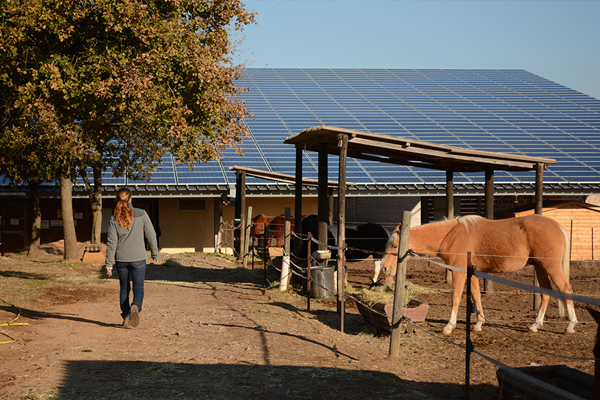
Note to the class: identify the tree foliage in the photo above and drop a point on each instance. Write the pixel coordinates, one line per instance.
(132, 78)
(115, 84)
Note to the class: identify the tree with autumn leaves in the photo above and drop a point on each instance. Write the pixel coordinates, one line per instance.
(98, 85)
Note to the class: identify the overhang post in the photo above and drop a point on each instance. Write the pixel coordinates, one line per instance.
(488, 286)
(298, 203)
(539, 207)
(240, 211)
(449, 208)
(323, 202)
(539, 188)
(449, 194)
(341, 233)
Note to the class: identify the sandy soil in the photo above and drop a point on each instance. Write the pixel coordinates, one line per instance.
(211, 329)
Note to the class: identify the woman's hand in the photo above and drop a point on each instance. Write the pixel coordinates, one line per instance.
(109, 272)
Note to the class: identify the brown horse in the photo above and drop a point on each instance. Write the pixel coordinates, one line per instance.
(504, 245)
(259, 228)
(275, 235)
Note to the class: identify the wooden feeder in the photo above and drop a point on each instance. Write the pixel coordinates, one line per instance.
(549, 382)
(380, 314)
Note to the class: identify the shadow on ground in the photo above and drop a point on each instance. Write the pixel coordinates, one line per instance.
(152, 380)
(176, 272)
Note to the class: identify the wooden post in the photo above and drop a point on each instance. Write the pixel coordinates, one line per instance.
(571, 241)
(539, 204)
(219, 227)
(449, 194)
(298, 203)
(285, 264)
(308, 278)
(323, 202)
(237, 213)
(216, 222)
(488, 286)
(449, 209)
(539, 188)
(341, 233)
(246, 247)
(400, 282)
(240, 204)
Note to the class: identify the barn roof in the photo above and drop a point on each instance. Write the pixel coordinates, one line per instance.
(415, 153)
(514, 112)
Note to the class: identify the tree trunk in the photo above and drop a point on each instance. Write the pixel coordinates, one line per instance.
(95, 196)
(36, 220)
(66, 197)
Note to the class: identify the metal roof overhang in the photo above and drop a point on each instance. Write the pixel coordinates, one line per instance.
(415, 153)
(285, 178)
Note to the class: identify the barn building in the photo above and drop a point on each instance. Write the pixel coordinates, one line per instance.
(503, 111)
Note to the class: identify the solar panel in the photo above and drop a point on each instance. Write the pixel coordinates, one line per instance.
(510, 111)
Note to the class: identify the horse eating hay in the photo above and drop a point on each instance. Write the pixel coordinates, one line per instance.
(504, 245)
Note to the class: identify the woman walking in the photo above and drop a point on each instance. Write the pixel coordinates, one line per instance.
(126, 250)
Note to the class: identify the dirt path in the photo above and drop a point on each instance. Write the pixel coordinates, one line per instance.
(210, 330)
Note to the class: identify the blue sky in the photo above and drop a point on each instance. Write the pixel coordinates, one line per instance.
(558, 40)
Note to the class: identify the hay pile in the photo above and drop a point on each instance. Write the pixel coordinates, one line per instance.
(385, 293)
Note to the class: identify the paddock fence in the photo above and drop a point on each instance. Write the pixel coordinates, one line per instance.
(301, 267)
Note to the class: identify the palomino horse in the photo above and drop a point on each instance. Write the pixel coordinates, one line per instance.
(504, 245)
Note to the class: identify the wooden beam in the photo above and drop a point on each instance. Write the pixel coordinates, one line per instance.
(276, 176)
(434, 155)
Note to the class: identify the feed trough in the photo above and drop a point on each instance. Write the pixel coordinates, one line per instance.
(380, 314)
(549, 382)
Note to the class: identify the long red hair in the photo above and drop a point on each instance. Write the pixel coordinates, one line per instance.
(123, 213)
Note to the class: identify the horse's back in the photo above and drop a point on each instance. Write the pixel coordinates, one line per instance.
(506, 243)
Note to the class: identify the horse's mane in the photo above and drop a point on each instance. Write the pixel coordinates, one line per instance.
(467, 220)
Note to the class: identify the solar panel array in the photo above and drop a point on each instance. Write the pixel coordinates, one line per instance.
(508, 111)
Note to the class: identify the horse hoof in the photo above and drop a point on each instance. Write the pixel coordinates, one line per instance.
(533, 329)
(569, 331)
(446, 332)
(375, 284)
(476, 328)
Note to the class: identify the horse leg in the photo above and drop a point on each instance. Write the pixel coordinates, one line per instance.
(377, 270)
(476, 295)
(458, 283)
(561, 283)
(544, 282)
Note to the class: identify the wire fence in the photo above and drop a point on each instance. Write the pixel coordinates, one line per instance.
(297, 269)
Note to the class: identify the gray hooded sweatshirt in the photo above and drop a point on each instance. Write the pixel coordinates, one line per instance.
(126, 245)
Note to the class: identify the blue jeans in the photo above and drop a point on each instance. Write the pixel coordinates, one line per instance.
(131, 272)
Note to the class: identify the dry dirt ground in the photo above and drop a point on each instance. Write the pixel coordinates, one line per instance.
(211, 329)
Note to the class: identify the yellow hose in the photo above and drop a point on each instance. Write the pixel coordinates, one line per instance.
(12, 323)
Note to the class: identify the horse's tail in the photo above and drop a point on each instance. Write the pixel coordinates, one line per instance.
(566, 259)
